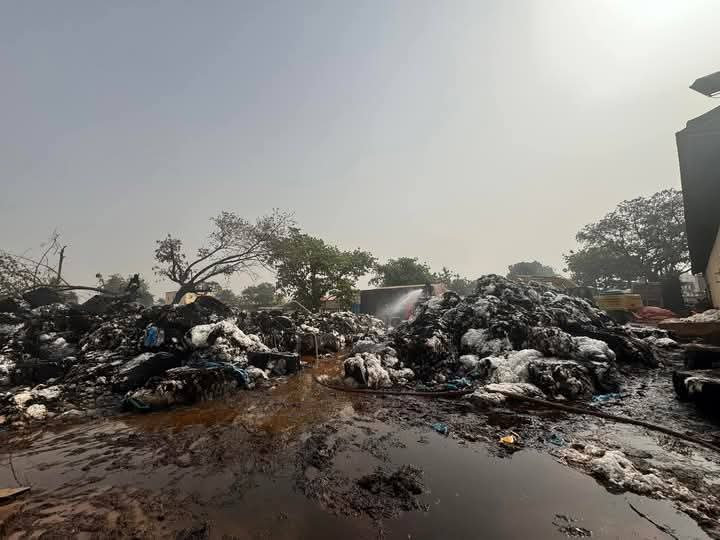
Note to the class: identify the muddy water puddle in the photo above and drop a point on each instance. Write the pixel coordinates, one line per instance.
(235, 468)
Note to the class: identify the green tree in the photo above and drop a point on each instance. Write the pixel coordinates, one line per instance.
(598, 267)
(533, 268)
(308, 268)
(454, 282)
(234, 245)
(116, 284)
(262, 294)
(402, 271)
(642, 238)
(227, 297)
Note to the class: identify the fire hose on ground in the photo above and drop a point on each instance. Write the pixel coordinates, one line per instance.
(688, 437)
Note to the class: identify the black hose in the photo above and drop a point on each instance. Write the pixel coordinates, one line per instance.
(622, 419)
(519, 397)
(387, 392)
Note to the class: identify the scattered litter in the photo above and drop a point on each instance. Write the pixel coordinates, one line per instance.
(154, 336)
(135, 404)
(511, 439)
(566, 525)
(7, 494)
(602, 398)
(556, 439)
(441, 428)
(458, 384)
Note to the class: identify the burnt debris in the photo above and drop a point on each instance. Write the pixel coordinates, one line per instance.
(60, 359)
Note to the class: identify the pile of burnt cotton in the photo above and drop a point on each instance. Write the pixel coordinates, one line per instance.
(223, 342)
(509, 332)
(335, 331)
(374, 365)
(311, 333)
(349, 327)
(94, 355)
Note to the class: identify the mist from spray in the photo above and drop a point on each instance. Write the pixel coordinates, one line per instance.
(399, 307)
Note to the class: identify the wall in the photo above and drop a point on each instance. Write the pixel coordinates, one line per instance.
(712, 272)
(699, 156)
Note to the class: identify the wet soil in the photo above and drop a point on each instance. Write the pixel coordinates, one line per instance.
(303, 461)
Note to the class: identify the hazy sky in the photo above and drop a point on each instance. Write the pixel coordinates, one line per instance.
(470, 134)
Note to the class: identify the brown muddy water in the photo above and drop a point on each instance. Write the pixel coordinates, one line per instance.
(244, 467)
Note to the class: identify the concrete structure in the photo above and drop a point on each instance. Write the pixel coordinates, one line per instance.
(693, 288)
(712, 272)
(650, 292)
(330, 303)
(699, 156)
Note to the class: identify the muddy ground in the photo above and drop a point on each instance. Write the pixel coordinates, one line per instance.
(303, 461)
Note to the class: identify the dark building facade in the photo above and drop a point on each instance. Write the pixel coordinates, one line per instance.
(699, 156)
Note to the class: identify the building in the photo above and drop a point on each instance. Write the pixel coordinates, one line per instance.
(693, 288)
(331, 304)
(699, 156)
(651, 292)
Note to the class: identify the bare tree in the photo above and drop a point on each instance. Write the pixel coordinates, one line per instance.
(23, 273)
(19, 273)
(235, 245)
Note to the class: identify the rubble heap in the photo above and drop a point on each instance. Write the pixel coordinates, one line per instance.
(507, 332)
(62, 359)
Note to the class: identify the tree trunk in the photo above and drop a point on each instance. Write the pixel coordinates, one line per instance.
(60, 264)
(182, 291)
(672, 294)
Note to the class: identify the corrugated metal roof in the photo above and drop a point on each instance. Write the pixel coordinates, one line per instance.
(418, 286)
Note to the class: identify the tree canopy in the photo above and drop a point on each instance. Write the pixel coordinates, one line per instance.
(641, 238)
(262, 294)
(227, 297)
(532, 268)
(402, 271)
(234, 245)
(116, 284)
(308, 268)
(454, 282)
(410, 271)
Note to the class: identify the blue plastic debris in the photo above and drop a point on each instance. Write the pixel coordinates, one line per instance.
(153, 336)
(458, 384)
(605, 397)
(556, 439)
(240, 374)
(135, 404)
(441, 428)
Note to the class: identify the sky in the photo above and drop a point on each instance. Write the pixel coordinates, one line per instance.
(469, 134)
